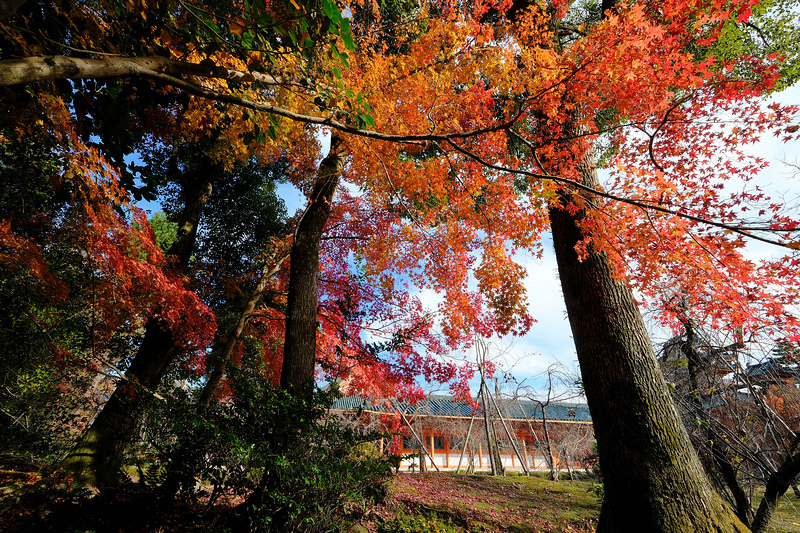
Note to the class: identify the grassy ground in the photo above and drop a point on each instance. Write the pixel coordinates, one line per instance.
(483, 503)
(787, 517)
(521, 504)
(418, 503)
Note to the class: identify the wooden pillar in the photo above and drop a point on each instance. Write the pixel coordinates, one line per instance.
(480, 455)
(525, 453)
(422, 455)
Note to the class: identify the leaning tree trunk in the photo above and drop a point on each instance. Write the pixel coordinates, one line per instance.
(300, 341)
(777, 484)
(654, 481)
(97, 457)
(217, 373)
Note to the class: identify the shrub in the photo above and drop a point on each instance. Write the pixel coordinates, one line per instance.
(318, 475)
(296, 468)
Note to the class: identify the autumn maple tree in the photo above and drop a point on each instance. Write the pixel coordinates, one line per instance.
(163, 120)
(469, 132)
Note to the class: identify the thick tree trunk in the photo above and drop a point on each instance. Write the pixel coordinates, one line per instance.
(98, 455)
(300, 339)
(300, 344)
(654, 481)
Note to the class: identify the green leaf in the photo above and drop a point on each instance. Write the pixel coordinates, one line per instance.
(337, 73)
(347, 37)
(267, 21)
(341, 55)
(349, 43)
(367, 119)
(113, 91)
(331, 11)
(213, 26)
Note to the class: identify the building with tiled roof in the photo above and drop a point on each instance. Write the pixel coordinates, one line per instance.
(443, 433)
(776, 370)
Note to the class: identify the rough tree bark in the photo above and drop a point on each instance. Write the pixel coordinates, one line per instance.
(653, 478)
(300, 342)
(97, 457)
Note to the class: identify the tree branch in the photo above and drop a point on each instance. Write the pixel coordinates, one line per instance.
(40, 68)
(642, 204)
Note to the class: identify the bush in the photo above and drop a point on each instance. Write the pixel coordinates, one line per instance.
(296, 468)
(318, 475)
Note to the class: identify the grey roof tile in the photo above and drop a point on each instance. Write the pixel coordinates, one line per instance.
(447, 406)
